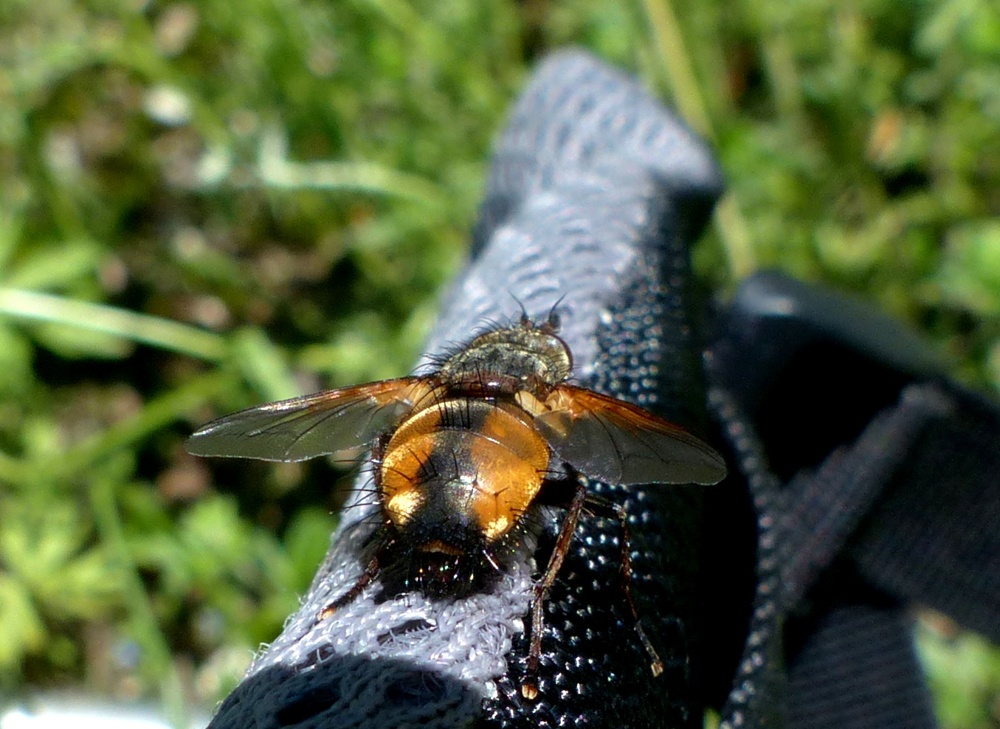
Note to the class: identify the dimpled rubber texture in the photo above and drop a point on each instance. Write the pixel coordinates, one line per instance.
(594, 195)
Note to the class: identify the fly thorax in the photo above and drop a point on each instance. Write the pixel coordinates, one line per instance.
(523, 355)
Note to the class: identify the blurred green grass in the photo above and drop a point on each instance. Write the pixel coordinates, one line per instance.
(206, 205)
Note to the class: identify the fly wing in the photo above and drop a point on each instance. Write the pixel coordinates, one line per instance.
(617, 442)
(311, 425)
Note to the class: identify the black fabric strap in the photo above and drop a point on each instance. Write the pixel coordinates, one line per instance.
(934, 537)
(857, 668)
(891, 498)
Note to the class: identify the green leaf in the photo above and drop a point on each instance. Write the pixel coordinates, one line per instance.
(57, 266)
(15, 363)
(21, 628)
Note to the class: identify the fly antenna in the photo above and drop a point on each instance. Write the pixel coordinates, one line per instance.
(524, 319)
(552, 320)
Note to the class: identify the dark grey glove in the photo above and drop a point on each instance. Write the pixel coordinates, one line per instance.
(594, 195)
(860, 480)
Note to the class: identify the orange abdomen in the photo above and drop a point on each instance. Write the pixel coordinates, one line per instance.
(461, 468)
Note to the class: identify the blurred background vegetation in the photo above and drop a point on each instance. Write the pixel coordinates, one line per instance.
(206, 204)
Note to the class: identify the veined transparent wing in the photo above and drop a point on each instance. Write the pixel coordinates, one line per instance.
(617, 442)
(311, 425)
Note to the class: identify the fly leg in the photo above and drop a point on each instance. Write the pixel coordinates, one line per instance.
(529, 686)
(371, 571)
(379, 535)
